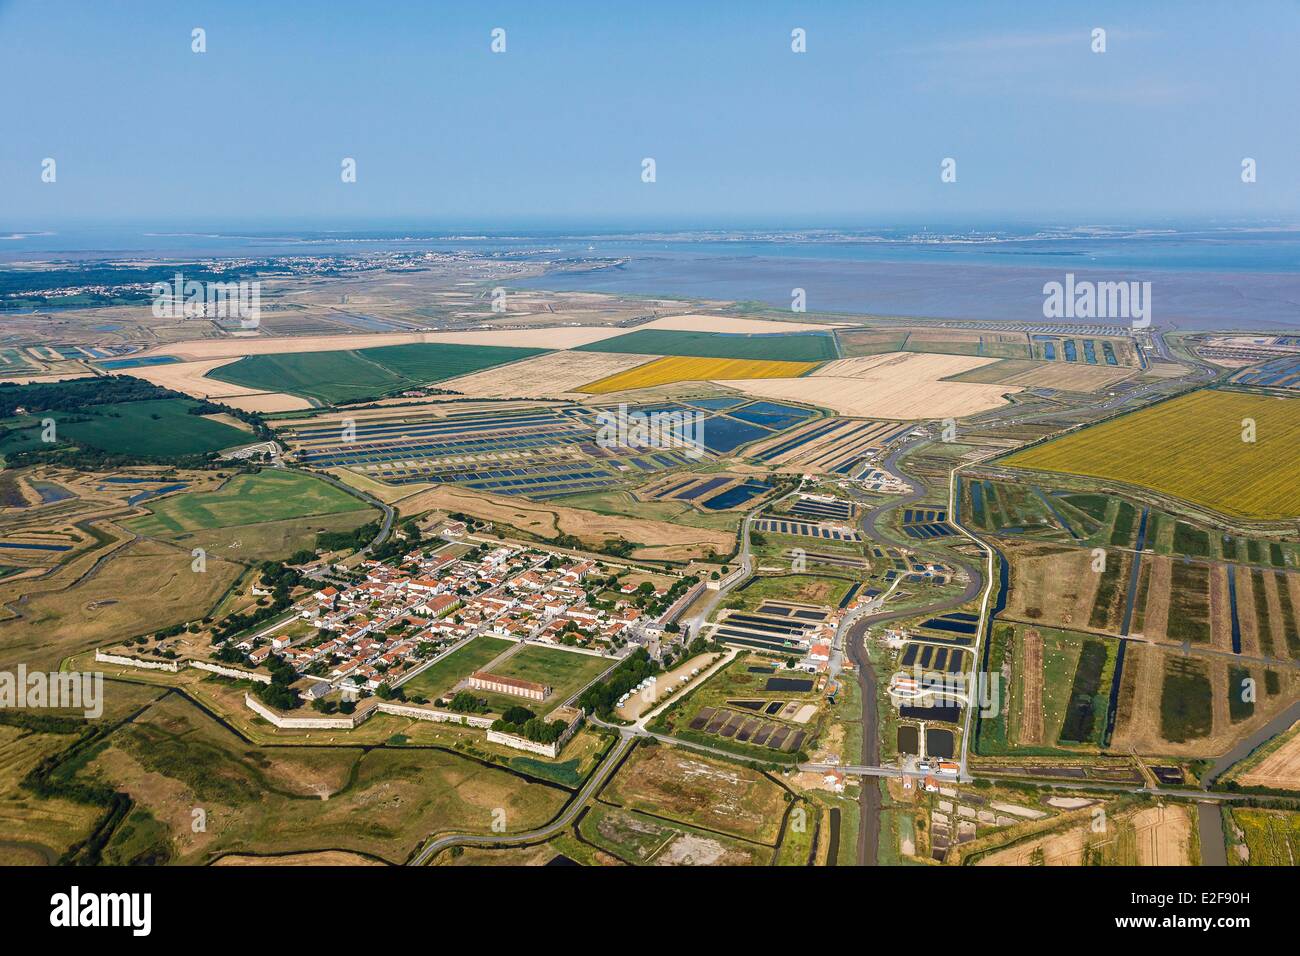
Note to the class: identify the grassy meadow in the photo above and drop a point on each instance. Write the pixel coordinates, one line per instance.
(269, 495)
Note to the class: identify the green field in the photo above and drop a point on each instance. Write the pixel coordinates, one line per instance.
(1086, 712)
(246, 499)
(271, 540)
(565, 672)
(783, 347)
(442, 676)
(1186, 708)
(826, 590)
(330, 377)
(434, 362)
(158, 428)
(1072, 685)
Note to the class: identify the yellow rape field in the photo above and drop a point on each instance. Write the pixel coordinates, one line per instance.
(1192, 447)
(675, 368)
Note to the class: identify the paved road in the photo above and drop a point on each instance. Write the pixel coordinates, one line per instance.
(1198, 796)
(565, 817)
(869, 824)
(385, 526)
(627, 735)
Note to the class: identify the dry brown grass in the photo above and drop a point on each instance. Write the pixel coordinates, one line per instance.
(1051, 586)
(1155, 620)
(319, 858)
(659, 540)
(1071, 378)
(1280, 768)
(1138, 723)
(1163, 836)
(141, 587)
(710, 793)
(548, 338)
(1250, 642)
(1031, 688)
(552, 375)
(1220, 608)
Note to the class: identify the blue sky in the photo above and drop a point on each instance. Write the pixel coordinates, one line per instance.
(743, 131)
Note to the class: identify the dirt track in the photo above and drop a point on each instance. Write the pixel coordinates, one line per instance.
(1031, 683)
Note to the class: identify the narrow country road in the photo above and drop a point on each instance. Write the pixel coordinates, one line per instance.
(565, 817)
(389, 513)
(869, 823)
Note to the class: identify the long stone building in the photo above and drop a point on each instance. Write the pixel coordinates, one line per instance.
(481, 680)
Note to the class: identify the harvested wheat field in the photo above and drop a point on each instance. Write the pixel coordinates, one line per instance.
(551, 375)
(190, 378)
(1279, 766)
(1163, 836)
(680, 368)
(267, 402)
(898, 385)
(547, 338)
(1156, 836)
(1071, 378)
(1064, 848)
(672, 542)
(41, 379)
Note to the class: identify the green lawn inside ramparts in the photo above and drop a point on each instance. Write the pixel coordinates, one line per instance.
(565, 672)
(442, 676)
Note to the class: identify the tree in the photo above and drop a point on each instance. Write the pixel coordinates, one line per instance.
(279, 696)
(517, 715)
